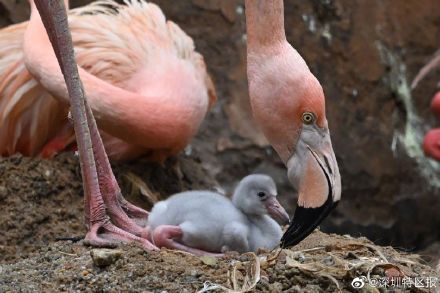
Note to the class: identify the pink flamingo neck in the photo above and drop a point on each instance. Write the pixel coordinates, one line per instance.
(264, 23)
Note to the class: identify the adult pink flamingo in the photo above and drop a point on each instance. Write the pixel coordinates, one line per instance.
(289, 105)
(431, 142)
(287, 101)
(132, 62)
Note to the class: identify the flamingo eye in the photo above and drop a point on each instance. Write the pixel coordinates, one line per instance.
(261, 194)
(308, 118)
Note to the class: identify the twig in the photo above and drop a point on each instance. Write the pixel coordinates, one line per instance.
(331, 278)
(375, 249)
(311, 249)
(72, 238)
(434, 62)
(381, 265)
(70, 254)
(251, 279)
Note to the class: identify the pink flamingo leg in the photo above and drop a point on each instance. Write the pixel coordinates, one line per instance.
(124, 214)
(164, 235)
(106, 220)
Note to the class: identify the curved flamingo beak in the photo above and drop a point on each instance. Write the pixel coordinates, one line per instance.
(314, 172)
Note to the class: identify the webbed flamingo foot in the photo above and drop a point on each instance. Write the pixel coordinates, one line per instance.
(108, 235)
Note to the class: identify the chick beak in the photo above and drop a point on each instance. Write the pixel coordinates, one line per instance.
(276, 211)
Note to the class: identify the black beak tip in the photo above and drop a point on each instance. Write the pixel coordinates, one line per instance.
(304, 222)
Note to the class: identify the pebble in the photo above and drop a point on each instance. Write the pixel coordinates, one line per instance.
(103, 257)
(209, 260)
(328, 261)
(3, 191)
(301, 258)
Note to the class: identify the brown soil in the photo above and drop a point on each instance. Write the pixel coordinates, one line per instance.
(330, 266)
(41, 202)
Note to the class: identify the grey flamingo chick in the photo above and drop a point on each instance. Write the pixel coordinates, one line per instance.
(206, 223)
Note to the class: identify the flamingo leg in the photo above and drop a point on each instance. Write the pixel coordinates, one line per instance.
(122, 213)
(106, 219)
(165, 235)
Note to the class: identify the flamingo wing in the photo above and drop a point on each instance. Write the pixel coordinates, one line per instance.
(29, 115)
(112, 42)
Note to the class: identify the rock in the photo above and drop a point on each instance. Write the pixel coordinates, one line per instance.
(328, 261)
(3, 192)
(209, 260)
(104, 257)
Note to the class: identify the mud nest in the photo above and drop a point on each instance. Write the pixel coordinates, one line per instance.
(41, 202)
(320, 263)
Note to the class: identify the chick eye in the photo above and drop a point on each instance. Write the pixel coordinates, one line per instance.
(308, 117)
(261, 194)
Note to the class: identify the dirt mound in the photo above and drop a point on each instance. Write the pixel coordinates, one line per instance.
(321, 263)
(364, 53)
(42, 200)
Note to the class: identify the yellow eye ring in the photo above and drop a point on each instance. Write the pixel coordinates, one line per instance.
(308, 118)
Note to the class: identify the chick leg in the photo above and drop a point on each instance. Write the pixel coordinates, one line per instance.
(165, 235)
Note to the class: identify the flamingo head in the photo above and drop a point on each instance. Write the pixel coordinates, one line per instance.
(289, 105)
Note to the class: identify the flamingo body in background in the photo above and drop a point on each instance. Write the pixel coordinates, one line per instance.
(431, 142)
(132, 63)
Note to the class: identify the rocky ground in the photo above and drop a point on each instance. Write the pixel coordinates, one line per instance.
(365, 53)
(330, 266)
